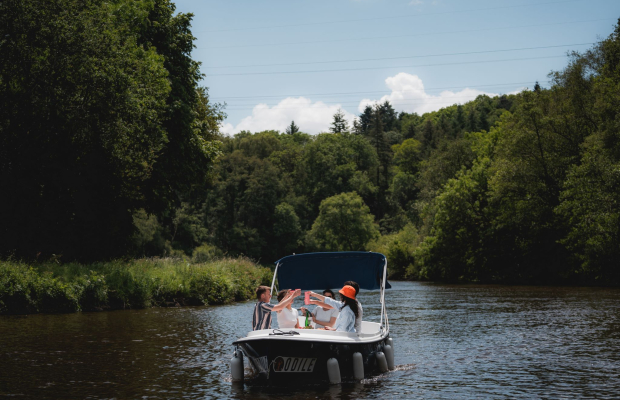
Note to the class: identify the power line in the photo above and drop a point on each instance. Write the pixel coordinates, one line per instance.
(402, 36)
(365, 92)
(407, 57)
(446, 101)
(403, 92)
(380, 68)
(434, 98)
(391, 17)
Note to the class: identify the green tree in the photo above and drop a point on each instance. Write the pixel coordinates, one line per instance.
(389, 119)
(260, 145)
(590, 207)
(376, 136)
(412, 132)
(286, 229)
(458, 123)
(442, 165)
(240, 207)
(339, 124)
(81, 110)
(292, 128)
(329, 164)
(344, 224)
(589, 200)
(428, 136)
(365, 119)
(399, 248)
(191, 123)
(453, 251)
(407, 155)
(357, 127)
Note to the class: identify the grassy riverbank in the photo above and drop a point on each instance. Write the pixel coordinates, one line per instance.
(51, 287)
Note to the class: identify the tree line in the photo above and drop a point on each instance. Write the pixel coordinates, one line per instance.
(109, 147)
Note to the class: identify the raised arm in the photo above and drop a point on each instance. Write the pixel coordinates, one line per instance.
(318, 296)
(287, 300)
(320, 304)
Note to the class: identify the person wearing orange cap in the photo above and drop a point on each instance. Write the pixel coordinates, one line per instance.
(348, 312)
(327, 303)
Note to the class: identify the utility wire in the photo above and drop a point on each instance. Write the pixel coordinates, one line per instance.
(407, 57)
(365, 92)
(380, 68)
(403, 92)
(296, 25)
(432, 100)
(402, 36)
(446, 101)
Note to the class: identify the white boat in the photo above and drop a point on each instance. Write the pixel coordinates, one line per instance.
(312, 355)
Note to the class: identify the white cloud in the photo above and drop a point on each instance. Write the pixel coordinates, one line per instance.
(310, 117)
(408, 95)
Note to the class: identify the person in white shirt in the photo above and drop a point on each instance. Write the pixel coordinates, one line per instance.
(287, 317)
(348, 312)
(332, 303)
(323, 316)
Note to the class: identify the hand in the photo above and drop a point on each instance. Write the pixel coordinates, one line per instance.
(297, 292)
(312, 294)
(303, 310)
(329, 328)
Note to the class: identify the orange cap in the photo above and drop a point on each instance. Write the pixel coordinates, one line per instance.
(348, 291)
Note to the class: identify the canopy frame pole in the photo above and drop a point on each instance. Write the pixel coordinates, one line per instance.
(275, 273)
(383, 311)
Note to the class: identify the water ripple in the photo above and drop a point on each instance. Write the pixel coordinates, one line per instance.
(450, 341)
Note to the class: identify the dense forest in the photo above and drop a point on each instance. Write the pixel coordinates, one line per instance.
(110, 148)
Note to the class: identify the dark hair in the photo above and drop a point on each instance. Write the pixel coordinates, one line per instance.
(352, 303)
(330, 292)
(260, 290)
(282, 294)
(355, 286)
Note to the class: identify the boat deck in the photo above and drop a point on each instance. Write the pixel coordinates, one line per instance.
(371, 331)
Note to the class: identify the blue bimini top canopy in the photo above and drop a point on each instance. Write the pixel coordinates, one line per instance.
(321, 271)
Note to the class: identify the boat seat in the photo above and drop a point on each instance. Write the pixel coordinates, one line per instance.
(368, 328)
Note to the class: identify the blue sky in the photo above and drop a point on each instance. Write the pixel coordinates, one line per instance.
(274, 61)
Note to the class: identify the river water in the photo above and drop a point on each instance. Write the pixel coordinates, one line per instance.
(466, 342)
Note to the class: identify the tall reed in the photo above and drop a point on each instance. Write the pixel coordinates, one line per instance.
(141, 283)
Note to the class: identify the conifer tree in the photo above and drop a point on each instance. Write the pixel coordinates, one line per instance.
(339, 124)
(388, 116)
(292, 128)
(357, 127)
(458, 123)
(411, 132)
(365, 119)
(471, 121)
(428, 136)
(537, 87)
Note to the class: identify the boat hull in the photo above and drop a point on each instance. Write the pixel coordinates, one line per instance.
(288, 360)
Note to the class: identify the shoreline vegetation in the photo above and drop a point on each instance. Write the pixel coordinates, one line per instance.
(134, 284)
